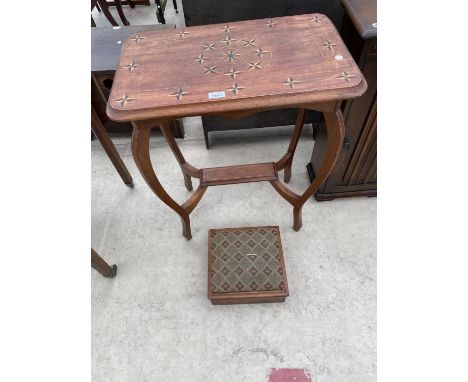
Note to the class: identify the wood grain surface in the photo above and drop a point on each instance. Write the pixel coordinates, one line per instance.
(253, 64)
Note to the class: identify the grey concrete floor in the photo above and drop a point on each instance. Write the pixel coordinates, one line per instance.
(153, 321)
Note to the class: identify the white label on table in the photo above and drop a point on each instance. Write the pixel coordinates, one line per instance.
(216, 95)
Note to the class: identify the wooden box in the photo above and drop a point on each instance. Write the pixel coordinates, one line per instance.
(246, 265)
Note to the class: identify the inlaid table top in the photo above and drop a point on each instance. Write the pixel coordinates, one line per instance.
(243, 65)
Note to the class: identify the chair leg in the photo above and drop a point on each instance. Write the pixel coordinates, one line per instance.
(111, 151)
(175, 6)
(160, 12)
(105, 10)
(131, 3)
(98, 263)
(118, 5)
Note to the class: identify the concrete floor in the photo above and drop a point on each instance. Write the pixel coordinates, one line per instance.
(153, 322)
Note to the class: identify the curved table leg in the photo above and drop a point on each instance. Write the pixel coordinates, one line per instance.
(335, 134)
(166, 130)
(141, 155)
(286, 161)
(105, 10)
(118, 5)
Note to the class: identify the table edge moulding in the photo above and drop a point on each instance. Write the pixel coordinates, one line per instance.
(317, 78)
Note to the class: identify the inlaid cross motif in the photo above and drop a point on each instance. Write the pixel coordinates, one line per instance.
(260, 52)
(209, 46)
(179, 94)
(232, 73)
(235, 88)
(131, 66)
(291, 82)
(316, 19)
(254, 65)
(329, 44)
(345, 76)
(181, 34)
(201, 58)
(228, 40)
(124, 99)
(227, 28)
(137, 38)
(248, 43)
(211, 69)
(270, 24)
(231, 55)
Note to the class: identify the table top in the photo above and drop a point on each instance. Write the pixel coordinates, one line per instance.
(363, 13)
(107, 42)
(278, 62)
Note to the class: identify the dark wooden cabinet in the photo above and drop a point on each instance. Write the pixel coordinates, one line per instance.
(355, 172)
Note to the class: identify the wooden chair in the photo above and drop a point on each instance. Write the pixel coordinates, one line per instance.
(104, 7)
(161, 5)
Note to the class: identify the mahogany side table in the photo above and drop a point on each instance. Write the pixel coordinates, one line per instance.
(235, 70)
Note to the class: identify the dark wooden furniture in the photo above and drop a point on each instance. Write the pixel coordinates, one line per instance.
(203, 12)
(355, 172)
(235, 70)
(104, 7)
(106, 44)
(99, 264)
(101, 134)
(161, 7)
(246, 265)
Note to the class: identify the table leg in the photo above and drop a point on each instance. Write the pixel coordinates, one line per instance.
(118, 5)
(335, 134)
(140, 149)
(286, 161)
(101, 134)
(105, 10)
(98, 263)
(166, 130)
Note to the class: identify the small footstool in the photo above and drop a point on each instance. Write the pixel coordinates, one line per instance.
(246, 265)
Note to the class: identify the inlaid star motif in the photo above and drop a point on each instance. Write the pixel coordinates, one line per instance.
(345, 76)
(329, 44)
(131, 66)
(235, 88)
(260, 52)
(209, 46)
(181, 34)
(254, 65)
(211, 69)
(248, 43)
(316, 19)
(227, 28)
(137, 38)
(291, 82)
(231, 55)
(201, 58)
(270, 23)
(228, 40)
(232, 73)
(179, 94)
(123, 100)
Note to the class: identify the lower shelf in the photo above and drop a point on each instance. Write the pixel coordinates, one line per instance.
(257, 172)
